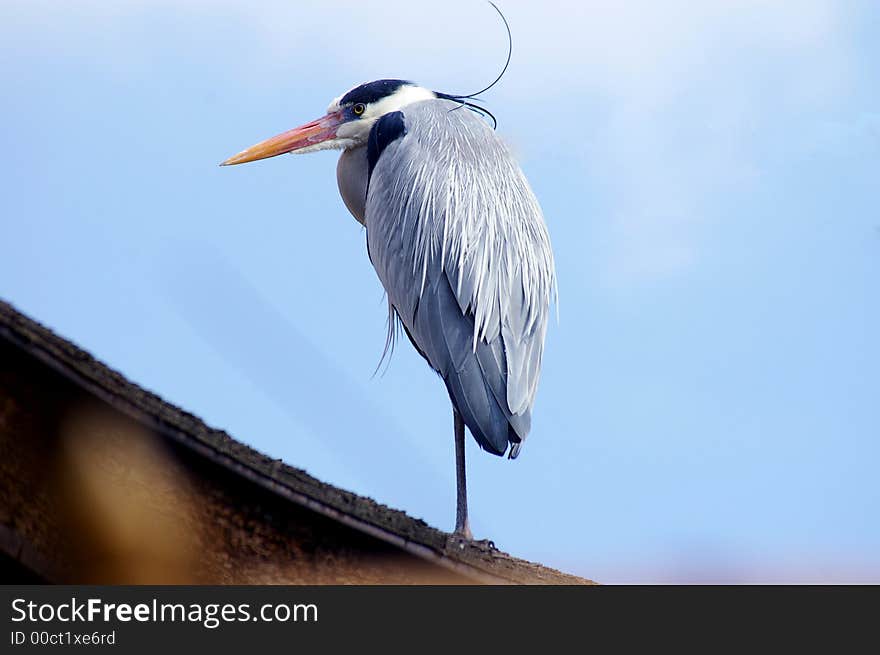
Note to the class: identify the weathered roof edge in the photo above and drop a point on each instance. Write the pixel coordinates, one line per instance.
(476, 560)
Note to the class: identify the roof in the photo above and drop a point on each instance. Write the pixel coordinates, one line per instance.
(478, 560)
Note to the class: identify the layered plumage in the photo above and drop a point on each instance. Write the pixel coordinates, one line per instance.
(460, 245)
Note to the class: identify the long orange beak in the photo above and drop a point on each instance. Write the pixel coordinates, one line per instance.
(296, 139)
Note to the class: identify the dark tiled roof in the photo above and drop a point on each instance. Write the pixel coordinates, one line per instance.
(476, 560)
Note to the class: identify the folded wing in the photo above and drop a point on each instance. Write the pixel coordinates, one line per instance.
(459, 243)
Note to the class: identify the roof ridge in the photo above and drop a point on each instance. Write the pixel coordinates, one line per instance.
(297, 485)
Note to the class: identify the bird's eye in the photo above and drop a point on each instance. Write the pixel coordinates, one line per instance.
(359, 109)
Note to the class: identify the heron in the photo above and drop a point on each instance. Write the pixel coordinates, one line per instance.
(458, 240)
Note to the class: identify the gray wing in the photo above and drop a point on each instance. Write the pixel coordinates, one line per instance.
(459, 243)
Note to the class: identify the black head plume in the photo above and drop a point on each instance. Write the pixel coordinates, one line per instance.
(463, 99)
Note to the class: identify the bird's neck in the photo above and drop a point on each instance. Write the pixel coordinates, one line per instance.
(352, 174)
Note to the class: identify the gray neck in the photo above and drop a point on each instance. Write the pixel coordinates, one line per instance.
(352, 174)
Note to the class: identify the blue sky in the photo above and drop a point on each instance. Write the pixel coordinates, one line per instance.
(710, 402)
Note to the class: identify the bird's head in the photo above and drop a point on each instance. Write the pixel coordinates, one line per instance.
(346, 124)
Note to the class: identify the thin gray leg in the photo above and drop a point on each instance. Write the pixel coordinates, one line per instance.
(462, 526)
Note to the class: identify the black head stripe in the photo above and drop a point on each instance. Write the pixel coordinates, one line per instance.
(372, 91)
(387, 129)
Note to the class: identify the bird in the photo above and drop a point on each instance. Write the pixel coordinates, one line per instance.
(458, 241)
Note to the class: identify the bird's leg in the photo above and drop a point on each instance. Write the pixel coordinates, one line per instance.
(462, 526)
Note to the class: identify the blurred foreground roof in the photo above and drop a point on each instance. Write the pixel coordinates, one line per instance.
(107, 482)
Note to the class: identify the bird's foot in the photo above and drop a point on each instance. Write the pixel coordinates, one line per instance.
(461, 541)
